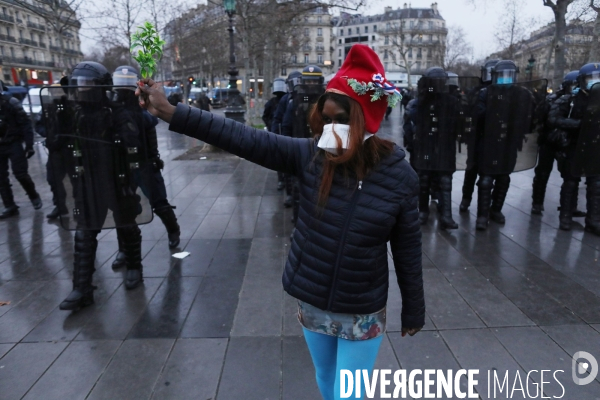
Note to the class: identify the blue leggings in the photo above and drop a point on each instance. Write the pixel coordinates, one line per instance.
(331, 354)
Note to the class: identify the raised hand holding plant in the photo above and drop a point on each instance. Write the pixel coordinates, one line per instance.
(151, 49)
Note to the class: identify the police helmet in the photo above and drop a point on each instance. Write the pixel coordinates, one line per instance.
(87, 74)
(486, 70)
(505, 72)
(293, 79)
(312, 75)
(279, 86)
(125, 75)
(588, 75)
(434, 80)
(570, 80)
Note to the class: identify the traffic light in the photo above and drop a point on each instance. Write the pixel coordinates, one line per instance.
(191, 80)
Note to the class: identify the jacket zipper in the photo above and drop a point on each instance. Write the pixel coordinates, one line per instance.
(342, 243)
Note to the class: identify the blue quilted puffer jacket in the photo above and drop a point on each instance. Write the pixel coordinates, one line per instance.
(338, 258)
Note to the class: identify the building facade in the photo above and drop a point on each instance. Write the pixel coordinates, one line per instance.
(413, 37)
(316, 48)
(30, 50)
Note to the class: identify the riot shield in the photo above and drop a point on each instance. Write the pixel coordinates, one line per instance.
(586, 161)
(97, 155)
(434, 143)
(469, 87)
(303, 99)
(509, 142)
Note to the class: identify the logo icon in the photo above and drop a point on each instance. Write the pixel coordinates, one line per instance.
(584, 362)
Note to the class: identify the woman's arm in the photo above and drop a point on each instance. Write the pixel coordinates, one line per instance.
(405, 242)
(258, 146)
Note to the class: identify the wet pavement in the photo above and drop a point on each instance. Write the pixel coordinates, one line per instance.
(217, 324)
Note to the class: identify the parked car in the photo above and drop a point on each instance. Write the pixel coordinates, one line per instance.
(219, 97)
(18, 92)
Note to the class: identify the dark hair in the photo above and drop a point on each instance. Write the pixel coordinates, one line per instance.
(361, 157)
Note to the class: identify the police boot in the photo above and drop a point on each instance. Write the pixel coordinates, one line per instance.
(484, 200)
(538, 194)
(29, 187)
(445, 203)
(498, 196)
(10, 208)
(592, 220)
(468, 189)
(132, 247)
(577, 213)
(565, 217)
(83, 270)
(119, 261)
(423, 198)
(169, 220)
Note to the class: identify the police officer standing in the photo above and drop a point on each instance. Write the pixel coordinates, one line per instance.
(295, 120)
(15, 128)
(106, 153)
(472, 171)
(434, 115)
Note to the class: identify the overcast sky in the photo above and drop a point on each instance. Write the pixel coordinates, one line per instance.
(479, 23)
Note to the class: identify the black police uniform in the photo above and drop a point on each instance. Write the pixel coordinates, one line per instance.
(15, 128)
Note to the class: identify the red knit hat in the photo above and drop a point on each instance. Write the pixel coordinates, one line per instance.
(361, 78)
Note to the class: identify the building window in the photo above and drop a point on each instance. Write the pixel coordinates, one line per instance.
(319, 31)
(339, 63)
(385, 66)
(349, 31)
(373, 37)
(419, 53)
(294, 59)
(374, 28)
(404, 24)
(420, 38)
(340, 41)
(412, 24)
(319, 58)
(305, 58)
(341, 32)
(12, 52)
(385, 54)
(21, 34)
(319, 20)
(283, 70)
(430, 24)
(4, 10)
(387, 26)
(7, 31)
(366, 29)
(2, 50)
(319, 10)
(410, 52)
(306, 32)
(358, 30)
(386, 40)
(339, 52)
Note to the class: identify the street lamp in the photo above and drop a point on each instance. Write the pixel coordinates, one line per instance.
(529, 68)
(235, 101)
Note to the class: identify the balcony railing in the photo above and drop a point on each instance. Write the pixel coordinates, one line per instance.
(54, 48)
(7, 18)
(25, 60)
(39, 27)
(42, 45)
(7, 38)
(28, 42)
(19, 21)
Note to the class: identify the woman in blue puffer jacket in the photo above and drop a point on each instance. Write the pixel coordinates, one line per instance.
(357, 193)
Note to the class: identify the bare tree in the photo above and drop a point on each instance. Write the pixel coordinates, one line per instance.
(60, 15)
(559, 8)
(594, 55)
(457, 49)
(511, 30)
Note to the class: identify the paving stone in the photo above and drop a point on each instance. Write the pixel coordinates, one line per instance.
(15, 291)
(134, 370)
(298, 373)
(192, 371)
(75, 371)
(252, 365)
(24, 365)
(4, 348)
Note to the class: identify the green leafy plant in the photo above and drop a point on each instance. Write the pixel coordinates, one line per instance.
(149, 48)
(362, 88)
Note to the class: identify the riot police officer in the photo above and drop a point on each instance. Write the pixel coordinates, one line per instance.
(506, 111)
(575, 122)
(15, 128)
(471, 171)
(295, 120)
(106, 149)
(279, 90)
(434, 115)
(284, 180)
(548, 149)
(148, 177)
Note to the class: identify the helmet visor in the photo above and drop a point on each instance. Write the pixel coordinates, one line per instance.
(120, 79)
(591, 79)
(486, 74)
(506, 77)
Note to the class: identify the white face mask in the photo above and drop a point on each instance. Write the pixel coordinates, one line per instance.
(328, 141)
